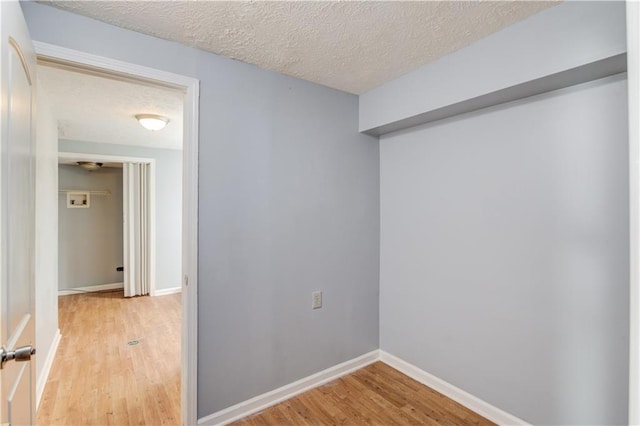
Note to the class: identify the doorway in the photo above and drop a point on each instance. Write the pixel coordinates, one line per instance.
(90, 64)
(129, 227)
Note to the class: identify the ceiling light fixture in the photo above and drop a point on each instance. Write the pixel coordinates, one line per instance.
(89, 165)
(152, 122)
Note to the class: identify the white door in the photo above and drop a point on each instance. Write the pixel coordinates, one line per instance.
(17, 231)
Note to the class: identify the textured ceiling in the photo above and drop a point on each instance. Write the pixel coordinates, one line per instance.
(352, 46)
(97, 109)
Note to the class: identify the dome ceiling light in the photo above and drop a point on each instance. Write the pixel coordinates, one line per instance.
(89, 165)
(152, 122)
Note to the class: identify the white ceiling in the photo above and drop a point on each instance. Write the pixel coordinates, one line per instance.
(353, 46)
(98, 109)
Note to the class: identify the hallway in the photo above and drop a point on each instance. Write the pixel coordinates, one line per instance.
(101, 375)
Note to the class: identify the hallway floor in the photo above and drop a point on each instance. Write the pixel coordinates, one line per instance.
(101, 376)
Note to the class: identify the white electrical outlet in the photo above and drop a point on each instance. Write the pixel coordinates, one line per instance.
(317, 299)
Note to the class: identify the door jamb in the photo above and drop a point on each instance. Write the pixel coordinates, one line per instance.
(191, 114)
(633, 82)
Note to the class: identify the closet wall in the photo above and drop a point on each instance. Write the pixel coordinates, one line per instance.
(90, 239)
(504, 253)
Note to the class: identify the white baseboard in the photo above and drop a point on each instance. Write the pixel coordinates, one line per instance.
(283, 393)
(46, 368)
(90, 289)
(473, 403)
(166, 291)
(268, 399)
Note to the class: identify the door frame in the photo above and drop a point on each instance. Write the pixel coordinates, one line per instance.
(104, 158)
(191, 86)
(633, 82)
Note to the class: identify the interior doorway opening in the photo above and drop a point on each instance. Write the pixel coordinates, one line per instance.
(130, 224)
(117, 71)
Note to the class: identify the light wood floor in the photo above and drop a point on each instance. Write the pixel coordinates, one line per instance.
(99, 379)
(374, 395)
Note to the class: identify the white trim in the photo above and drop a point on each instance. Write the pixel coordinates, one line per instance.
(103, 158)
(189, 384)
(152, 228)
(166, 291)
(268, 399)
(91, 289)
(46, 368)
(473, 403)
(128, 254)
(110, 65)
(90, 192)
(633, 80)
(189, 194)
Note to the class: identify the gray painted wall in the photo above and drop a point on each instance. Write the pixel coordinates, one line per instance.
(566, 36)
(168, 202)
(504, 256)
(504, 253)
(289, 203)
(90, 240)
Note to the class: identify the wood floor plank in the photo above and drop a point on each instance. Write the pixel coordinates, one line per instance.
(289, 413)
(325, 401)
(354, 412)
(98, 379)
(430, 402)
(376, 411)
(393, 411)
(317, 409)
(422, 399)
(374, 395)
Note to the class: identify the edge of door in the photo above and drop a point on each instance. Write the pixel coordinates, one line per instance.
(633, 78)
(189, 199)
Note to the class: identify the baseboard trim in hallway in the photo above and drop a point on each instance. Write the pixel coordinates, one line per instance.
(260, 402)
(166, 291)
(90, 289)
(46, 369)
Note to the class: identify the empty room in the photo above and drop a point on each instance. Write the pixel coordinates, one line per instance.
(391, 212)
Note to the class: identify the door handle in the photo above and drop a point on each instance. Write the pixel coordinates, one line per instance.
(21, 354)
